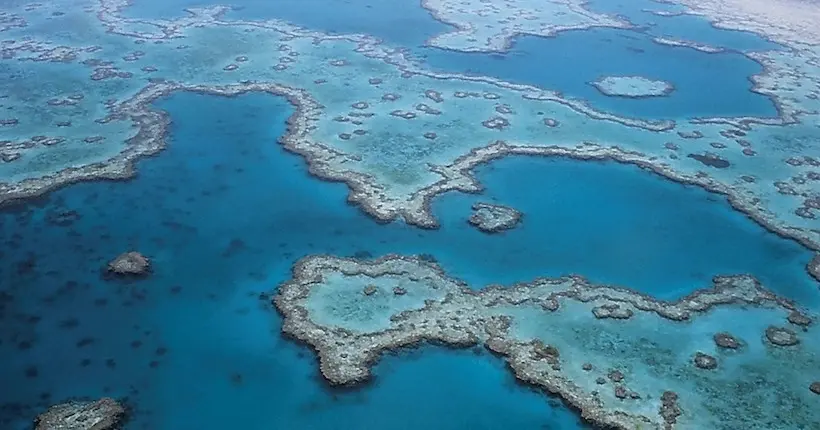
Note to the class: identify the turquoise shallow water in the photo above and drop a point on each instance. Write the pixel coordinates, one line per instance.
(224, 213)
(706, 84)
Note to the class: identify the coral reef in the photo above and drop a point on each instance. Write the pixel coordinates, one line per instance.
(687, 44)
(726, 340)
(634, 87)
(103, 414)
(814, 267)
(89, 115)
(666, 371)
(791, 22)
(360, 151)
(483, 26)
(492, 218)
(130, 264)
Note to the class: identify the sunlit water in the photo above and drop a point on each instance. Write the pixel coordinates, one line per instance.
(224, 212)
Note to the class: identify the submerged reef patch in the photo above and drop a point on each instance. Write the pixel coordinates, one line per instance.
(667, 371)
(711, 160)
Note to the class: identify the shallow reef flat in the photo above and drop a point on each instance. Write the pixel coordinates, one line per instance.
(790, 22)
(483, 26)
(632, 86)
(397, 134)
(726, 357)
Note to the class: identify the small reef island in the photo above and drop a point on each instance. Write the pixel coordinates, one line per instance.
(632, 87)
(491, 218)
(130, 264)
(625, 360)
(103, 414)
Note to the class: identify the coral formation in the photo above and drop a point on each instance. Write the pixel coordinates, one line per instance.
(726, 340)
(632, 87)
(492, 218)
(387, 184)
(542, 330)
(376, 135)
(103, 414)
(483, 26)
(130, 264)
(687, 44)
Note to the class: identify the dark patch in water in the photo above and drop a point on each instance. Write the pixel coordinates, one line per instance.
(711, 160)
(85, 342)
(32, 372)
(428, 258)
(69, 323)
(26, 266)
(62, 217)
(24, 345)
(362, 255)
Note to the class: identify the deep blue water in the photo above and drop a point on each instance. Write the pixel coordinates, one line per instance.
(224, 213)
(706, 84)
(619, 224)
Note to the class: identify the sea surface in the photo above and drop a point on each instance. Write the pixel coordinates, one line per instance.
(224, 212)
(706, 84)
